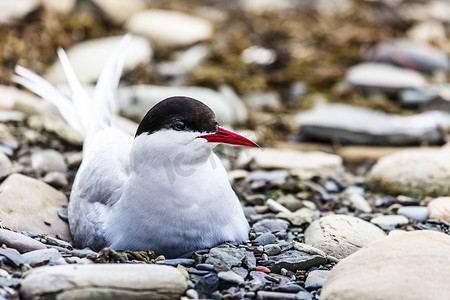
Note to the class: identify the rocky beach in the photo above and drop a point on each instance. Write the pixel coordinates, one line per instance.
(348, 196)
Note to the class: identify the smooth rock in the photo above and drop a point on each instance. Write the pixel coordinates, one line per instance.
(11, 116)
(316, 276)
(302, 216)
(389, 222)
(412, 172)
(11, 10)
(289, 288)
(295, 260)
(290, 202)
(12, 257)
(270, 225)
(439, 208)
(341, 235)
(169, 28)
(57, 179)
(383, 77)
(276, 207)
(6, 166)
(269, 176)
(303, 296)
(240, 271)
(184, 61)
(187, 262)
(314, 162)
(52, 255)
(95, 53)
(272, 249)
(265, 239)
(428, 31)
(361, 126)
(60, 127)
(119, 11)
(259, 101)
(409, 54)
(358, 202)
(104, 281)
(396, 258)
(418, 213)
(19, 241)
(232, 257)
(49, 160)
(27, 204)
(207, 285)
(135, 101)
(230, 276)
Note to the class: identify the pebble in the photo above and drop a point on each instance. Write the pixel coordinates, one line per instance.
(341, 235)
(63, 130)
(276, 207)
(303, 296)
(316, 276)
(230, 276)
(57, 179)
(206, 285)
(11, 116)
(295, 260)
(12, 257)
(192, 294)
(383, 77)
(267, 295)
(290, 202)
(134, 101)
(270, 225)
(389, 222)
(259, 101)
(362, 126)
(186, 262)
(269, 176)
(102, 281)
(51, 255)
(119, 11)
(299, 162)
(169, 28)
(412, 172)
(19, 241)
(231, 257)
(396, 258)
(272, 249)
(308, 249)
(240, 271)
(185, 61)
(358, 202)
(418, 213)
(289, 288)
(205, 267)
(58, 242)
(12, 10)
(302, 216)
(20, 214)
(410, 54)
(95, 53)
(83, 252)
(439, 208)
(45, 161)
(265, 239)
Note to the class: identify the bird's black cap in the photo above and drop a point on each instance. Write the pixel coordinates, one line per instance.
(178, 113)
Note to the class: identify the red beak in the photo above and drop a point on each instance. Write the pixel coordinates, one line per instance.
(228, 137)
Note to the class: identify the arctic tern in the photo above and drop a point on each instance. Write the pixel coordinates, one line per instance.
(163, 189)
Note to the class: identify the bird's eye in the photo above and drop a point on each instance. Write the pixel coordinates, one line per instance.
(179, 125)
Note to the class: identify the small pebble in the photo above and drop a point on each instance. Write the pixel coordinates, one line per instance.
(262, 269)
(192, 294)
(230, 276)
(265, 238)
(205, 267)
(303, 296)
(272, 249)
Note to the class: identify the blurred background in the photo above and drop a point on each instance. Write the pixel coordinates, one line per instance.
(273, 67)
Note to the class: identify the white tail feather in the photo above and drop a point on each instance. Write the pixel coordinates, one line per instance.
(84, 114)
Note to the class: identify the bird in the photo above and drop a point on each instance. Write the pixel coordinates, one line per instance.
(163, 189)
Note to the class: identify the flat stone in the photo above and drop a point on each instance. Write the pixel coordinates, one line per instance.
(48, 160)
(104, 281)
(265, 238)
(169, 28)
(12, 256)
(134, 101)
(308, 249)
(276, 207)
(389, 222)
(184, 62)
(396, 257)
(243, 272)
(316, 276)
(313, 162)
(272, 249)
(230, 276)
(362, 126)
(303, 296)
(19, 241)
(28, 204)
(95, 54)
(232, 257)
(439, 208)
(51, 254)
(383, 77)
(302, 216)
(418, 213)
(187, 262)
(341, 235)
(267, 295)
(358, 202)
(57, 179)
(409, 54)
(290, 202)
(293, 260)
(412, 172)
(270, 225)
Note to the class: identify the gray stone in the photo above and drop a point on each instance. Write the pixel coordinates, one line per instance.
(357, 125)
(383, 77)
(52, 255)
(49, 160)
(418, 213)
(57, 179)
(104, 281)
(134, 101)
(169, 28)
(27, 204)
(290, 202)
(11, 282)
(389, 222)
(230, 276)
(270, 225)
(250, 261)
(19, 241)
(308, 249)
(317, 276)
(272, 249)
(232, 257)
(83, 252)
(95, 54)
(396, 257)
(265, 238)
(300, 163)
(295, 260)
(341, 235)
(57, 242)
(303, 296)
(240, 271)
(302, 216)
(276, 207)
(412, 172)
(270, 176)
